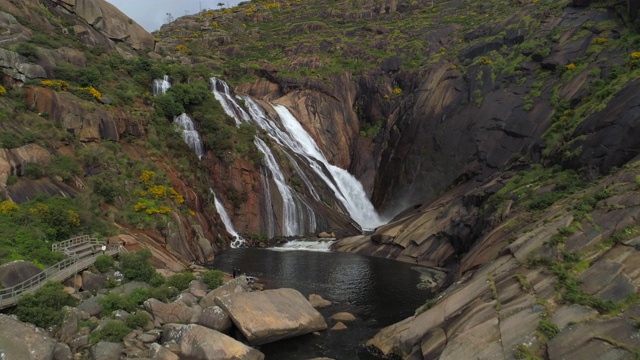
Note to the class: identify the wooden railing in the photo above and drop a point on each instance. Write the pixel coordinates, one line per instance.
(58, 272)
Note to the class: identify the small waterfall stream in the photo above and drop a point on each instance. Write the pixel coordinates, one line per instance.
(190, 134)
(192, 138)
(160, 86)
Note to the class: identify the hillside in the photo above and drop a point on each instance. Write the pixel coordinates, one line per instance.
(498, 137)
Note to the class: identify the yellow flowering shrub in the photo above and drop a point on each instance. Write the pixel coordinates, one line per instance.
(159, 210)
(74, 218)
(91, 90)
(3, 91)
(599, 40)
(183, 49)
(485, 60)
(147, 177)
(397, 91)
(8, 206)
(159, 191)
(635, 55)
(174, 195)
(571, 66)
(55, 84)
(140, 206)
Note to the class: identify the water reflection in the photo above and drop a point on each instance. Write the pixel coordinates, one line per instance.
(378, 292)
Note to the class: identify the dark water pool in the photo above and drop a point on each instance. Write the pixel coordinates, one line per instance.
(378, 292)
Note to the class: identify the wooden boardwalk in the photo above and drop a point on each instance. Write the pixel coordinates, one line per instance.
(81, 252)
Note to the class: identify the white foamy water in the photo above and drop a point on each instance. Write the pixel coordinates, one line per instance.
(190, 134)
(305, 245)
(160, 86)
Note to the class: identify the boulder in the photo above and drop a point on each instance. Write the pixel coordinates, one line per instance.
(215, 318)
(17, 271)
(92, 282)
(69, 326)
(106, 351)
(187, 299)
(22, 341)
(236, 285)
(197, 288)
(176, 312)
(159, 352)
(271, 315)
(318, 301)
(62, 352)
(200, 343)
(91, 306)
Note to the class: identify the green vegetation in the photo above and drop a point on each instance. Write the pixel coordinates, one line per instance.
(180, 281)
(113, 331)
(104, 263)
(212, 278)
(136, 267)
(44, 307)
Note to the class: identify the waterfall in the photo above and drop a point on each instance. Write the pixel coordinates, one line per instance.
(293, 218)
(291, 135)
(344, 185)
(237, 239)
(190, 134)
(160, 86)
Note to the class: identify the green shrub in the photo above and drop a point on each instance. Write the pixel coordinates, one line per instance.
(156, 280)
(43, 308)
(135, 266)
(104, 263)
(112, 302)
(548, 328)
(163, 293)
(180, 281)
(213, 278)
(65, 167)
(113, 331)
(34, 171)
(29, 51)
(137, 320)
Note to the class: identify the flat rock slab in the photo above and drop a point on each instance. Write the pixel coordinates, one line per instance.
(233, 286)
(200, 343)
(598, 276)
(271, 315)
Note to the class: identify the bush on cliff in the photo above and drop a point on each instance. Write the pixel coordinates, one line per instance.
(104, 263)
(180, 281)
(43, 308)
(136, 267)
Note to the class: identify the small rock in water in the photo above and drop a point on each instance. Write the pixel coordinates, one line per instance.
(317, 301)
(339, 326)
(343, 316)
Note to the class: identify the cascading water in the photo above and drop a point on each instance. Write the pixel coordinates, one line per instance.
(238, 240)
(190, 134)
(160, 86)
(347, 189)
(192, 138)
(306, 245)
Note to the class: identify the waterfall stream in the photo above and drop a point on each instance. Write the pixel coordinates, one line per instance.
(160, 86)
(190, 134)
(287, 132)
(192, 138)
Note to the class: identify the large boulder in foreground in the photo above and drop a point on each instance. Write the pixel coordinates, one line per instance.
(175, 312)
(200, 343)
(271, 315)
(21, 341)
(17, 271)
(233, 286)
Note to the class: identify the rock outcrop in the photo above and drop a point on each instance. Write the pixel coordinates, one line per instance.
(271, 315)
(16, 272)
(111, 22)
(22, 341)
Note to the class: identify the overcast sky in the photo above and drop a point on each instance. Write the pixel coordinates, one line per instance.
(151, 14)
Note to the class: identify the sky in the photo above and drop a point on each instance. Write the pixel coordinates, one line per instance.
(152, 14)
